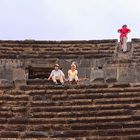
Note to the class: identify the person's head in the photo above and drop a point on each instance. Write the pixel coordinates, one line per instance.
(73, 66)
(124, 26)
(56, 66)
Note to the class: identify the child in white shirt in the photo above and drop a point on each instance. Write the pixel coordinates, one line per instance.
(57, 75)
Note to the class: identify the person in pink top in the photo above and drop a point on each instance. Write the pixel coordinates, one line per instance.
(123, 37)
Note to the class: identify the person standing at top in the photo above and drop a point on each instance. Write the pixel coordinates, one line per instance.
(57, 75)
(123, 37)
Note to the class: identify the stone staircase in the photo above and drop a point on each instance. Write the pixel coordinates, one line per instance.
(106, 112)
(136, 49)
(56, 49)
(104, 106)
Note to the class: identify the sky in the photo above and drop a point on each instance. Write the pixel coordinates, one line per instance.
(68, 19)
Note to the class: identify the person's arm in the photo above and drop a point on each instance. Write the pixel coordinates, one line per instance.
(51, 75)
(119, 30)
(129, 30)
(77, 72)
(68, 73)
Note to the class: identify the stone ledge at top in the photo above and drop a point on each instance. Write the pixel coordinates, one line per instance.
(136, 40)
(59, 42)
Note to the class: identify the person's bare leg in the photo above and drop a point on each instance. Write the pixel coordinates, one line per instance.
(76, 79)
(70, 79)
(61, 80)
(124, 44)
(54, 80)
(73, 80)
(121, 43)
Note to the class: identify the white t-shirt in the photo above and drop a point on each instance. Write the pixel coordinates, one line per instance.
(57, 73)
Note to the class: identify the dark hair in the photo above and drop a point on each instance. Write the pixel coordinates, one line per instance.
(124, 25)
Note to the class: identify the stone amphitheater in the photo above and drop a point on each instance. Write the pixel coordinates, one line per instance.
(105, 105)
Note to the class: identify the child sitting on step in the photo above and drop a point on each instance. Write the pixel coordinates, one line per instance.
(57, 75)
(73, 74)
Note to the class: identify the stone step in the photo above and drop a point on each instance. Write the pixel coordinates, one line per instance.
(39, 82)
(112, 132)
(105, 126)
(85, 108)
(58, 56)
(18, 120)
(86, 126)
(6, 87)
(93, 113)
(21, 109)
(80, 89)
(68, 87)
(55, 51)
(58, 49)
(6, 114)
(136, 54)
(9, 134)
(101, 128)
(58, 44)
(13, 103)
(57, 94)
(19, 128)
(89, 96)
(137, 46)
(59, 103)
(70, 120)
(36, 134)
(14, 98)
(136, 50)
(88, 100)
(40, 111)
(43, 136)
(130, 137)
(3, 121)
(68, 52)
(136, 58)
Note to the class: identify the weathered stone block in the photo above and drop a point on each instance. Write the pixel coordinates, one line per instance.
(6, 73)
(111, 74)
(127, 73)
(85, 63)
(84, 72)
(97, 75)
(5, 82)
(19, 77)
(35, 134)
